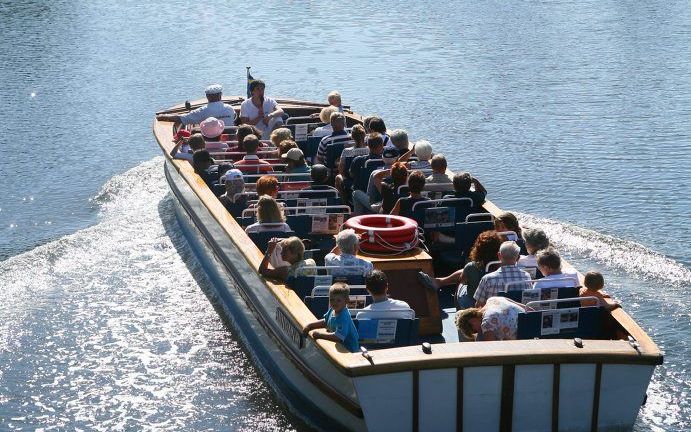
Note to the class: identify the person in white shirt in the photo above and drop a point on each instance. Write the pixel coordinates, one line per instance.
(185, 147)
(535, 241)
(214, 108)
(378, 286)
(325, 117)
(259, 111)
(549, 263)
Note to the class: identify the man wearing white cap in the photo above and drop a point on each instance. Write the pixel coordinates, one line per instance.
(215, 108)
(295, 164)
(259, 111)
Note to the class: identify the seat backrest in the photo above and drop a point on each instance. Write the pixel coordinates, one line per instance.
(261, 239)
(543, 294)
(387, 332)
(468, 231)
(462, 207)
(366, 171)
(310, 147)
(303, 285)
(582, 322)
(318, 305)
(333, 152)
(323, 290)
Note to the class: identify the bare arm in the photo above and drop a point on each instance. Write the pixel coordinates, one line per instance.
(397, 208)
(326, 336)
(379, 177)
(453, 278)
(174, 151)
(279, 273)
(478, 186)
(314, 325)
(169, 118)
(405, 156)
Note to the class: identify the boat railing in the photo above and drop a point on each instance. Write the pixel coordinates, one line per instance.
(532, 282)
(304, 210)
(491, 264)
(540, 303)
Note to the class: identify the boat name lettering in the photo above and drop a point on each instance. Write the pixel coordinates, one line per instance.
(287, 325)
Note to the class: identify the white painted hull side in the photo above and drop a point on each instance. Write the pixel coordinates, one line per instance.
(535, 397)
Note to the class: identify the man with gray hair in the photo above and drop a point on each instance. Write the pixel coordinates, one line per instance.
(492, 283)
(339, 134)
(343, 255)
(399, 141)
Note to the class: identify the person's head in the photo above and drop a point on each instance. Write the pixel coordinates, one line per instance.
(319, 174)
(325, 113)
(338, 121)
(507, 221)
(279, 135)
(294, 158)
(377, 125)
(212, 128)
(202, 160)
(594, 281)
(182, 136)
(339, 293)
(389, 156)
(334, 98)
(399, 138)
(196, 142)
(268, 210)
(251, 144)
(485, 248)
(438, 163)
(233, 182)
(469, 321)
(375, 142)
(549, 262)
(377, 283)
(462, 182)
(423, 150)
(365, 123)
(292, 250)
(243, 131)
(535, 240)
(257, 88)
(347, 241)
(285, 146)
(509, 252)
(358, 134)
(214, 92)
(267, 185)
(399, 173)
(416, 182)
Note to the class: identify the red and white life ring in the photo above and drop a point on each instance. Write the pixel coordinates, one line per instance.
(384, 233)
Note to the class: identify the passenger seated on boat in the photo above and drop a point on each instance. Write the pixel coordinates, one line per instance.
(461, 186)
(492, 283)
(204, 166)
(496, 320)
(388, 185)
(404, 205)
(214, 108)
(287, 256)
(334, 99)
(467, 279)
(235, 185)
(377, 125)
(370, 202)
(295, 164)
(251, 163)
(337, 320)
(243, 132)
(279, 135)
(212, 129)
(507, 221)
(270, 217)
(267, 185)
(338, 134)
(186, 146)
(593, 284)
(399, 139)
(423, 151)
(325, 117)
(377, 284)
(343, 179)
(375, 144)
(535, 241)
(344, 255)
(262, 112)
(549, 263)
(286, 146)
(439, 167)
(320, 176)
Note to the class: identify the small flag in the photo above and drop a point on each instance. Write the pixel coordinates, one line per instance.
(249, 80)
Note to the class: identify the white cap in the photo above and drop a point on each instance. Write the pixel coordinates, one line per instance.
(293, 154)
(230, 175)
(214, 89)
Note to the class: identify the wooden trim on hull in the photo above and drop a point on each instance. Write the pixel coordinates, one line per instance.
(412, 358)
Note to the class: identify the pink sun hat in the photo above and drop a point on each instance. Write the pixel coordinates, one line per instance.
(212, 127)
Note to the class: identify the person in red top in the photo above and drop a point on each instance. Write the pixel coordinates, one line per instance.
(251, 164)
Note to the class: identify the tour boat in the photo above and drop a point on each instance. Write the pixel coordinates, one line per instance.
(550, 379)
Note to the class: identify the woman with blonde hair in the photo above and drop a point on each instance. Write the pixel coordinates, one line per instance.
(270, 217)
(325, 117)
(279, 135)
(288, 259)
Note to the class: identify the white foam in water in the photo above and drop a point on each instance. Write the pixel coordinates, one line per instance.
(108, 329)
(630, 257)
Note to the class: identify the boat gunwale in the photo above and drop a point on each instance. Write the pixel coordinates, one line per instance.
(408, 358)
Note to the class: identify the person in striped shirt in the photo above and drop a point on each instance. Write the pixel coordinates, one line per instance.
(339, 134)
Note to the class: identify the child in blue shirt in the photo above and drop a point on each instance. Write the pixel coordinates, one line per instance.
(337, 320)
